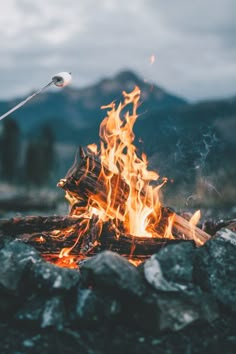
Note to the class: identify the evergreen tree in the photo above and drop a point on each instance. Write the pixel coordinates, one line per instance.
(10, 150)
(39, 160)
(47, 152)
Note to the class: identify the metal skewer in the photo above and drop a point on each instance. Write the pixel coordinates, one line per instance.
(60, 80)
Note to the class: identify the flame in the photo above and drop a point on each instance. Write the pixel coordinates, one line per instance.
(122, 190)
(117, 153)
(168, 230)
(194, 221)
(131, 199)
(195, 218)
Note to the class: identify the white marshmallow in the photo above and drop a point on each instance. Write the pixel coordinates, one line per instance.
(62, 79)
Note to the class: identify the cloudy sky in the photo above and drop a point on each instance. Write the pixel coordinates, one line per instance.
(194, 43)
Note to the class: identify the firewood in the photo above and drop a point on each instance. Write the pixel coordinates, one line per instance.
(183, 229)
(31, 224)
(40, 233)
(129, 245)
(124, 245)
(86, 182)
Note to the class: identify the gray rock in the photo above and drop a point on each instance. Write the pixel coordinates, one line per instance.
(110, 271)
(184, 308)
(53, 313)
(4, 240)
(161, 311)
(15, 259)
(174, 305)
(94, 308)
(43, 312)
(176, 261)
(8, 304)
(215, 267)
(49, 278)
(154, 276)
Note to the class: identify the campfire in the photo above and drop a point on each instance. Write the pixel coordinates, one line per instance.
(109, 302)
(115, 199)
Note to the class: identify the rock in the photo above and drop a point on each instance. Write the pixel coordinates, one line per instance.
(15, 259)
(43, 311)
(110, 271)
(94, 308)
(161, 311)
(50, 278)
(174, 305)
(171, 268)
(4, 240)
(176, 261)
(177, 311)
(8, 305)
(154, 276)
(215, 267)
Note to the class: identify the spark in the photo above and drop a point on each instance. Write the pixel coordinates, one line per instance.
(152, 59)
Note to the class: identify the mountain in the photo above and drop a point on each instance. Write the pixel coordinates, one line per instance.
(71, 111)
(192, 144)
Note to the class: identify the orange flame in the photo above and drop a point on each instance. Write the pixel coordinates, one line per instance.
(194, 221)
(117, 153)
(131, 199)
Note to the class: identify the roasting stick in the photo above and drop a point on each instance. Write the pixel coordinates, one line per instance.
(61, 79)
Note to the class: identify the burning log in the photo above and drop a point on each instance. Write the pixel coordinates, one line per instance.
(183, 229)
(35, 224)
(127, 245)
(86, 183)
(49, 235)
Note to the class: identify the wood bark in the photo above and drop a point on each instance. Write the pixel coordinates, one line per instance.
(40, 233)
(86, 182)
(31, 224)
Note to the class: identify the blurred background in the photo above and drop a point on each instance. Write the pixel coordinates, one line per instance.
(181, 54)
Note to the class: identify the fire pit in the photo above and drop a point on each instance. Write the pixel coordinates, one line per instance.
(115, 200)
(121, 273)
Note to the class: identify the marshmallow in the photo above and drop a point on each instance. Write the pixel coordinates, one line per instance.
(62, 79)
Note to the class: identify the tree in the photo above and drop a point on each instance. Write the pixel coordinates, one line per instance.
(47, 152)
(39, 160)
(10, 150)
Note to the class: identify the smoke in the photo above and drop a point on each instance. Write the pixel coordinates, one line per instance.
(191, 160)
(205, 146)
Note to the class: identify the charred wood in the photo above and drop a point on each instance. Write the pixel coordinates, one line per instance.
(31, 224)
(87, 182)
(40, 233)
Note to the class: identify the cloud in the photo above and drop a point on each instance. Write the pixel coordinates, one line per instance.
(193, 43)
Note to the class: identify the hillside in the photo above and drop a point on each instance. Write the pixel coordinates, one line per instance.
(71, 110)
(195, 146)
(192, 144)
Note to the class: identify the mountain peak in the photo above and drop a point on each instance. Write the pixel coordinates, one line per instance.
(127, 75)
(79, 108)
